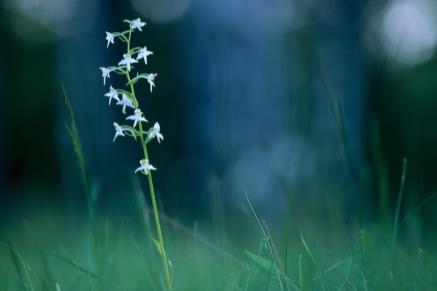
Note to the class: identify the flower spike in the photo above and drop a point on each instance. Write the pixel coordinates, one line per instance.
(128, 99)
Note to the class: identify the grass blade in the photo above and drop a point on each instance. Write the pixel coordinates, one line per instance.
(74, 135)
(266, 265)
(79, 268)
(21, 266)
(308, 250)
(400, 196)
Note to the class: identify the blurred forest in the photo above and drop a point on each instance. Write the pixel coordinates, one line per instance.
(327, 96)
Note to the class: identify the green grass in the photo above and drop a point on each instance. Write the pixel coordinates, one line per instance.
(45, 252)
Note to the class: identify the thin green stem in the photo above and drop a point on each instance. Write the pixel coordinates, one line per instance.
(163, 253)
(399, 202)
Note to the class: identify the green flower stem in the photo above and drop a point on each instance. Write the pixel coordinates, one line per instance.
(165, 261)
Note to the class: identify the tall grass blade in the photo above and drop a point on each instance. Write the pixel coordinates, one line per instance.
(362, 277)
(346, 262)
(420, 206)
(399, 201)
(265, 236)
(21, 266)
(300, 271)
(271, 248)
(74, 136)
(308, 250)
(287, 189)
(263, 263)
(79, 268)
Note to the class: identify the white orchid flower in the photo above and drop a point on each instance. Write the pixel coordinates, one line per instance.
(137, 117)
(137, 24)
(143, 54)
(127, 61)
(145, 167)
(112, 94)
(125, 102)
(156, 132)
(110, 38)
(119, 131)
(150, 79)
(105, 74)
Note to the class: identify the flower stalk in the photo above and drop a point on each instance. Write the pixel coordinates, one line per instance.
(129, 100)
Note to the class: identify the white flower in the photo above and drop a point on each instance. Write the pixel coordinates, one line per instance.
(127, 61)
(125, 101)
(143, 54)
(112, 94)
(119, 131)
(110, 38)
(136, 117)
(155, 132)
(105, 73)
(145, 167)
(137, 24)
(150, 79)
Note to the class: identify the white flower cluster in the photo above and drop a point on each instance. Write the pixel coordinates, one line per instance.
(127, 98)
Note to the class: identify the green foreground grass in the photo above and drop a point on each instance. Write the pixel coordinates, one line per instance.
(44, 251)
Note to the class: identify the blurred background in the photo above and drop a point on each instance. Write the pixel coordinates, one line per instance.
(322, 97)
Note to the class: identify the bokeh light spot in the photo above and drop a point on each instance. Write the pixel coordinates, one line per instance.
(408, 31)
